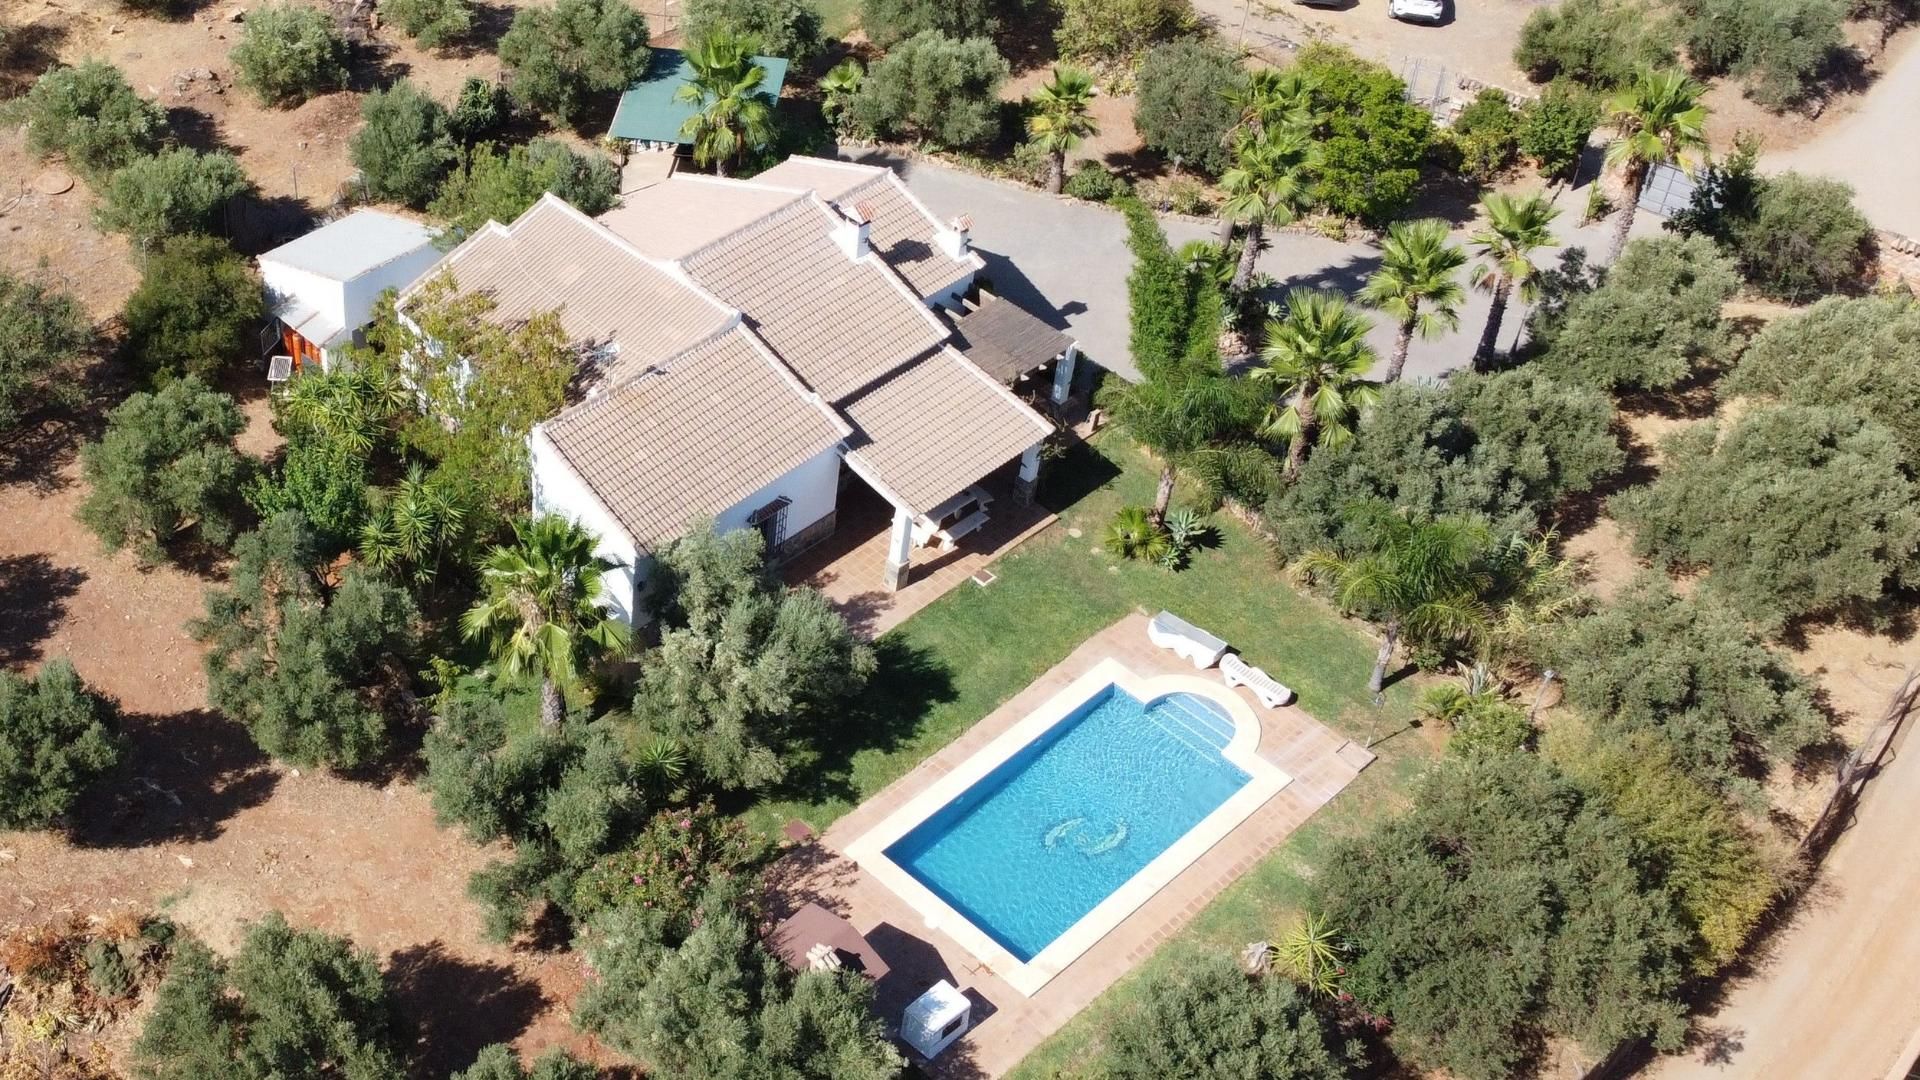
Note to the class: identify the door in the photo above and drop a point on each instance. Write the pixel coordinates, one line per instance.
(302, 350)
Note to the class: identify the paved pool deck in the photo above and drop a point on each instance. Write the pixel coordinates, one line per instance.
(1008, 1024)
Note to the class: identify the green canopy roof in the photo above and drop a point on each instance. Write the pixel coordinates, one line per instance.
(648, 111)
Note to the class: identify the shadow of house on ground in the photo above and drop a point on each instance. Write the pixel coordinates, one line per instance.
(182, 778)
(458, 1005)
(33, 602)
(914, 965)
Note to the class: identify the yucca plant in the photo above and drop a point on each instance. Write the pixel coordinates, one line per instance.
(1310, 951)
(1133, 534)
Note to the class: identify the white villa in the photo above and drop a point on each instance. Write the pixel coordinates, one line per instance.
(757, 346)
(321, 288)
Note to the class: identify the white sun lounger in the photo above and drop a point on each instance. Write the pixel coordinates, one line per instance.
(1185, 639)
(1237, 672)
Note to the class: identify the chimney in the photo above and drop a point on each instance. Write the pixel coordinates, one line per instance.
(852, 235)
(956, 239)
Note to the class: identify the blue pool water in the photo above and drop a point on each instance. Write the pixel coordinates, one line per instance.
(1042, 839)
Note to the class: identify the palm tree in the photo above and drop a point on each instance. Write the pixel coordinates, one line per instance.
(1062, 116)
(1416, 284)
(1273, 98)
(1420, 578)
(1182, 416)
(1317, 359)
(1659, 119)
(1264, 187)
(838, 87)
(415, 524)
(732, 112)
(541, 613)
(1505, 244)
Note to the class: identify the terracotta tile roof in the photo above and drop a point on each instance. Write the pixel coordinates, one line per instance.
(1006, 340)
(840, 323)
(937, 424)
(904, 231)
(715, 425)
(554, 257)
(685, 213)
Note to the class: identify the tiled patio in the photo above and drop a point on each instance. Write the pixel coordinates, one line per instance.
(849, 567)
(1007, 1024)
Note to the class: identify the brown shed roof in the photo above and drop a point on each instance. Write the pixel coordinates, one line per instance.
(717, 424)
(838, 322)
(554, 257)
(1007, 340)
(934, 426)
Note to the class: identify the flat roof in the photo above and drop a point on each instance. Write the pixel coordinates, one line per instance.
(649, 112)
(363, 240)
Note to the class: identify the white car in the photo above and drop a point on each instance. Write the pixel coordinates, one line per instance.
(1424, 11)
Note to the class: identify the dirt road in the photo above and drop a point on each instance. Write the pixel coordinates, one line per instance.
(1834, 995)
(1873, 148)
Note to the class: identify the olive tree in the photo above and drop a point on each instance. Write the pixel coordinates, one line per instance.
(934, 87)
(1182, 106)
(560, 57)
(403, 148)
(887, 23)
(55, 738)
(164, 469)
(43, 330)
(197, 310)
(1211, 1021)
(289, 52)
(497, 186)
(1652, 321)
(1858, 353)
(89, 114)
(178, 191)
(784, 28)
(430, 23)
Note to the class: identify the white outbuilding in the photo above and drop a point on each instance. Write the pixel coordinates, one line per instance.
(322, 287)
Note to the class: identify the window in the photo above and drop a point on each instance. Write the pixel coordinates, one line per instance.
(771, 520)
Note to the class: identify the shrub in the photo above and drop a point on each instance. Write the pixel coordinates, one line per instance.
(165, 467)
(403, 149)
(1095, 182)
(108, 973)
(325, 482)
(497, 187)
(1536, 916)
(1655, 317)
(1690, 669)
(1482, 719)
(301, 671)
(289, 1003)
(1504, 448)
(90, 114)
(934, 87)
(430, 23)
(1209, 1021)
(561, 56)
(1182, 109)
(1778, 46)
(1487, 134)
(1599, 43)
(1805, 239)
(1371, 139)
(54, 741)
(670, 865)
(745, 669)
(720, 1005)
(1862, 354)
(1722, 878)
(198, 309)
(889, 22)
(479, 111)
(500, 1062)
(1555, 127)
(42, 331)
(784, 28)
(1793, 510)
(179, 191)
(1118, 32)
(1133, 534)
(289, 52)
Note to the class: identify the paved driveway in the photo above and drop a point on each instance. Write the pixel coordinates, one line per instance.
(1874, 149)
(1071, 258)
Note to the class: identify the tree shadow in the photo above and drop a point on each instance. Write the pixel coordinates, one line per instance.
(490, 24)
(195, 129)
(458, 1005)
(1025, 37)
(1077, 473)
(26, 52)
(33, 601)
(1346, 277)
(38, 450)
(181, 779)
(1581, 511)
(257, 223)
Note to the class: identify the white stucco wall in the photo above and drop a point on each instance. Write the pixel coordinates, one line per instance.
(812, 490)
(557, 489)
(326, 295)
(949, 297)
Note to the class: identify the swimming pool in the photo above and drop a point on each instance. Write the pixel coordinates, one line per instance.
(1055, 829)
(1038, 845)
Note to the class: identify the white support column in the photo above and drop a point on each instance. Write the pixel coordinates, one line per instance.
(1063, 374)
(899, 549)
(1029, 474)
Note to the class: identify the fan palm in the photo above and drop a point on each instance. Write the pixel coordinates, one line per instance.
(1316, 359)
(1264, 187)
(1425, 579)
(1273, 98)
(1658, 118)
(1515, 228)
(1062, 116)
(540, 613)
(1417, 285)
(837, 88)
(732, 111)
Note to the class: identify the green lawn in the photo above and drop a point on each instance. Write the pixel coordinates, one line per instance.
(957, 660)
